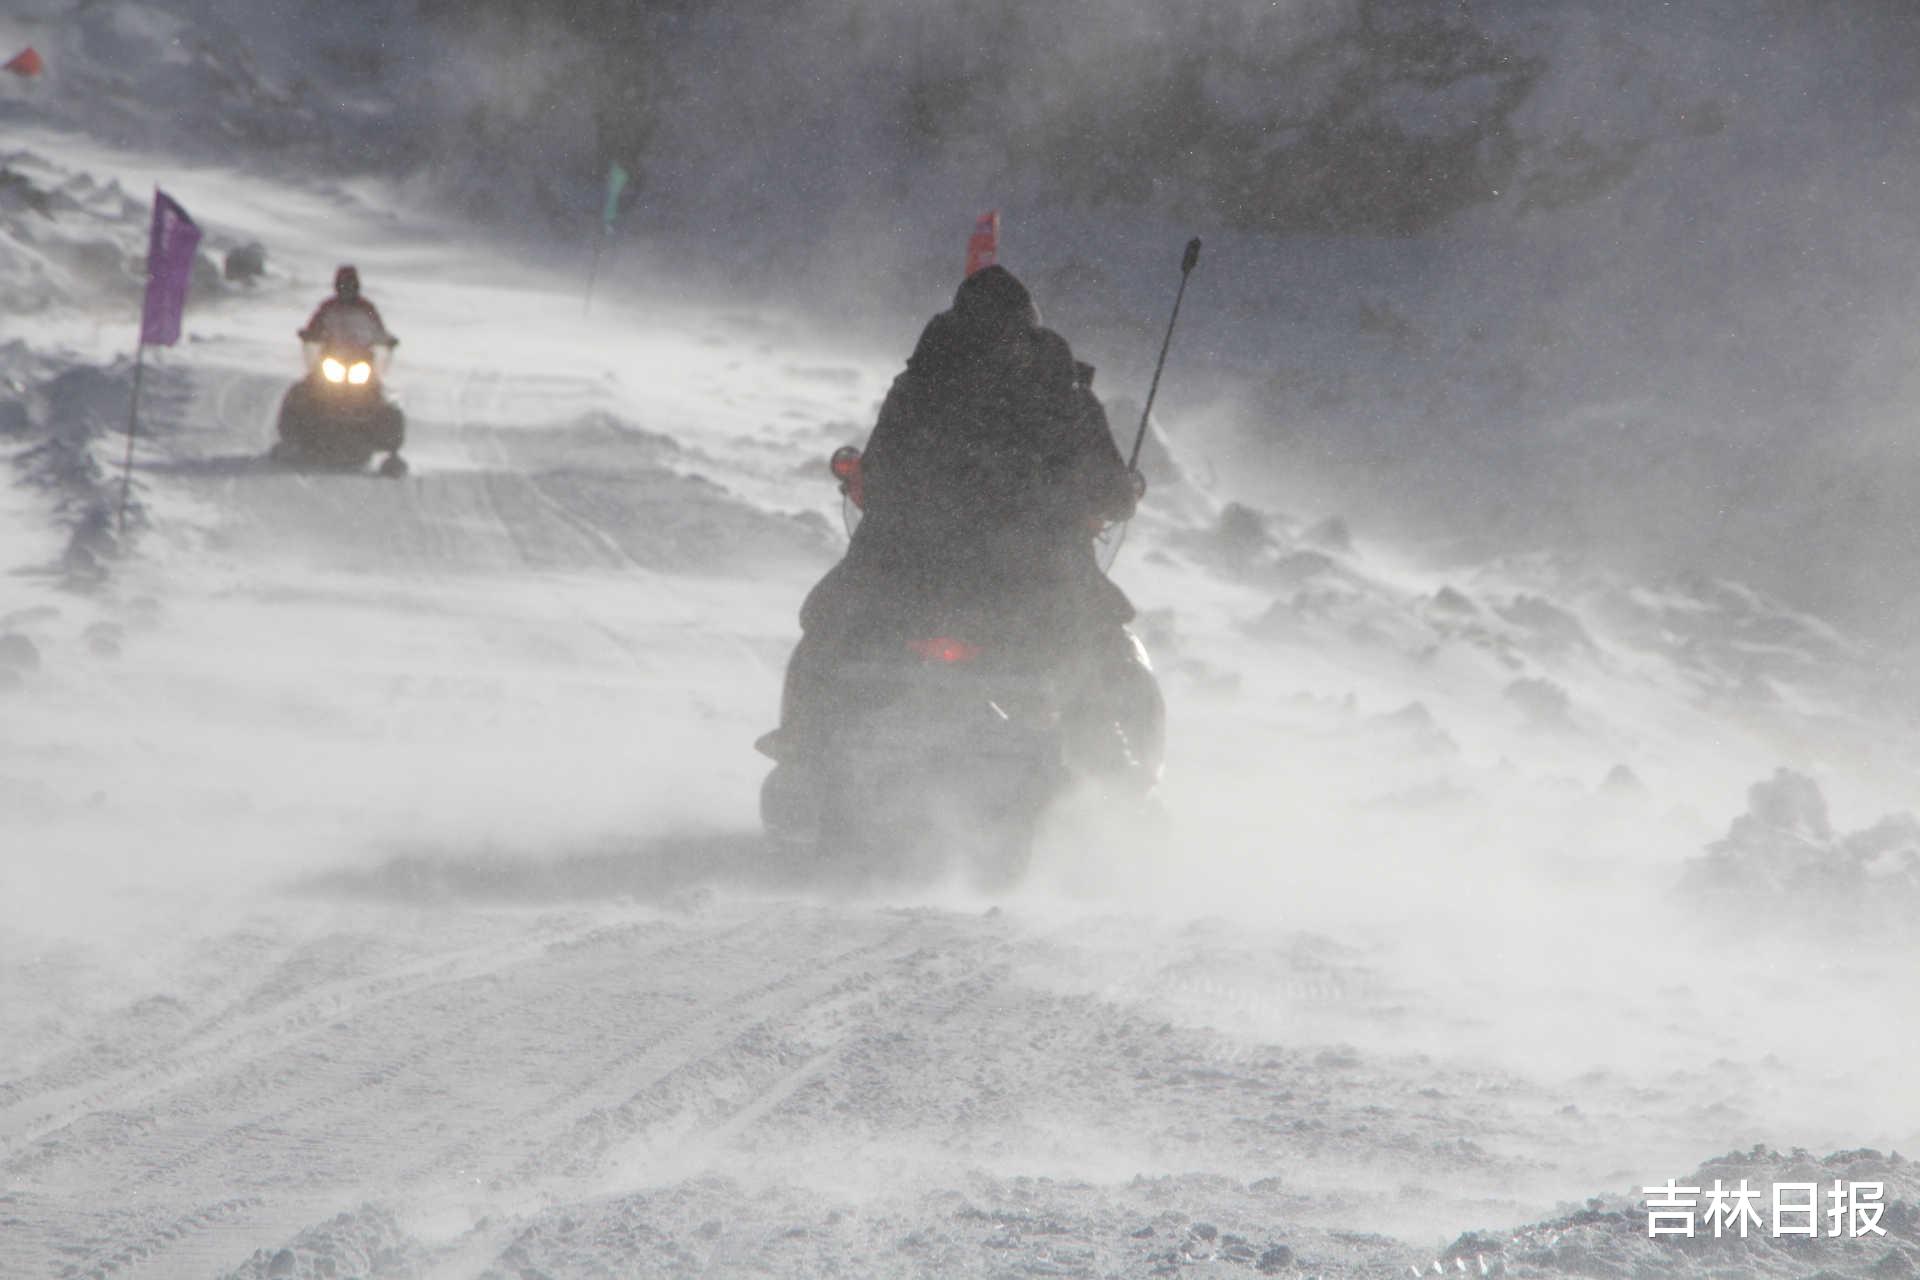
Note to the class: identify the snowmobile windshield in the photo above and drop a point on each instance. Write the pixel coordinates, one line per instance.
(350, 324)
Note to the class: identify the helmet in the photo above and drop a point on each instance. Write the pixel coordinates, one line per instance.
(346, 284)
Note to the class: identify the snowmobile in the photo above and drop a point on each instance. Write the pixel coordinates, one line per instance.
(954, 731)
(337, 417)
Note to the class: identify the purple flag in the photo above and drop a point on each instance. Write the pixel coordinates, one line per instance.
(170, 249)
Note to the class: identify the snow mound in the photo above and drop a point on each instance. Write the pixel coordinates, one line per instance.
(364, 1242)
(1729, 637)
(68, 239)
(1784, 855)
(67, 418)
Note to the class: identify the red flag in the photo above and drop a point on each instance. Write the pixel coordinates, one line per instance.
(26, 63)
(983, 247)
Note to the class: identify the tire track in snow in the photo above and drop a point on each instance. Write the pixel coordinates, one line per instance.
(942, 999)
(215, 1038)
(696, 1038)
(765, 1040)
(286, 1147)
(766, 1050)
(252, 1039)
(274, 1155)
(151, 1242)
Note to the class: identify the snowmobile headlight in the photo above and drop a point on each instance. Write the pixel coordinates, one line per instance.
(359, 373)
(333, 370)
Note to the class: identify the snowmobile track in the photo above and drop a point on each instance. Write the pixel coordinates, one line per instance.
(690, 1048)
(232, 1036)
(313, 1096)
(151, 1242)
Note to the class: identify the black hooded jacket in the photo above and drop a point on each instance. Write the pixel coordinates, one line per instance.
(990, 461)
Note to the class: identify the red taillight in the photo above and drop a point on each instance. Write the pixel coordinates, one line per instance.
(944, 649)
(845, 465)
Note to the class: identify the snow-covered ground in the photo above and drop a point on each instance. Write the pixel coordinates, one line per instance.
(381, 894)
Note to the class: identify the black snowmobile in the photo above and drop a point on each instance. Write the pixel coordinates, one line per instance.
(338, 417)
(954, 731)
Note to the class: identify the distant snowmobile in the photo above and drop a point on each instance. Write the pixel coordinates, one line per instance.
(337, 417)
(960, 728)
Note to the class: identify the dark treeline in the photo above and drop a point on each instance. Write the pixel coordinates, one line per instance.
(1374, 116)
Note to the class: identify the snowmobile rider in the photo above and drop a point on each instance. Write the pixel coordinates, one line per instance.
(987, 474)
(348, 317)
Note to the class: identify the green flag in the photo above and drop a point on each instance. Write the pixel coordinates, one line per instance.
(617, 179)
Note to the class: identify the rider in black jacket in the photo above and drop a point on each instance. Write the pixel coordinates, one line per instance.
(988, 472)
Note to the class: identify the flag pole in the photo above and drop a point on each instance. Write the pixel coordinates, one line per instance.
(593, 274)
(617, 179)
(133, 425)
(1187, 263)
